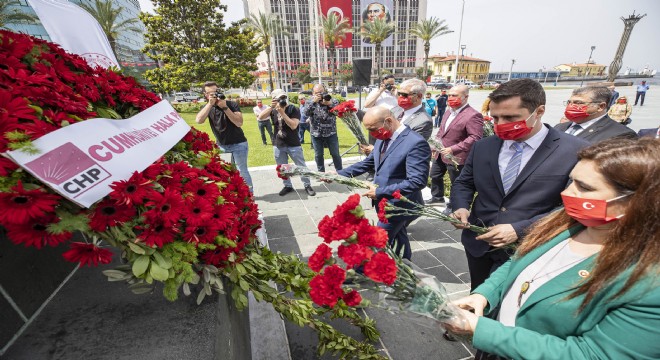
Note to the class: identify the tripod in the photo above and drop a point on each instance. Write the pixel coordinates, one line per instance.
(356, 146)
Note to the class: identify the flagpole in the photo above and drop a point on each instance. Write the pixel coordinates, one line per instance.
(317, 4)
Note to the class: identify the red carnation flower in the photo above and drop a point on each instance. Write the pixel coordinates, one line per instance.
(381, 268)
(330, 229)
(35, 233)
(352, 298)
(20, 206)
(335, 274)
(488, 118)
(109, 213)
(132, 191)
(354, 254)
(278, 168)
(325, 289)
(397, 194)
(350, 212)
(382, 216)
(320, 256)
(369, 235)
(87, 254)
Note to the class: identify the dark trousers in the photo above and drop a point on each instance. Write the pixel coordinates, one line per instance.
(302, 127)
(332, 142)
(640, 94)
(438, 170)
(397, 234)
(481, 267)
(263, 126)
(438, 119)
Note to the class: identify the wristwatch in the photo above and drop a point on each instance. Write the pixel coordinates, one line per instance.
(224, 108)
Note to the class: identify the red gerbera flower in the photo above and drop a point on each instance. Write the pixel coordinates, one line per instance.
(109, 213)
(167, 207)
(200, 188)
(201, 234)
(198, 211)
(132, 191)
(319, 257)
(87, 254)
(158, 234)
(20, 205)
(35, 233)
(6, 166)
(381, 268)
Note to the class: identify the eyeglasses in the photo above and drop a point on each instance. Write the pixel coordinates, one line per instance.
(405, 95)
(578, 103)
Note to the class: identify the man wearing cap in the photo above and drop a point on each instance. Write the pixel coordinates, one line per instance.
(641, 93)
(263, 124)
(285, 118)
(226, 122)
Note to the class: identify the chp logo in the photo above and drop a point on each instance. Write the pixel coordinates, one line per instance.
(69, 169)
(96, 59)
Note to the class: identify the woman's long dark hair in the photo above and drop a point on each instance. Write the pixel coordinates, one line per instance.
(629, 166)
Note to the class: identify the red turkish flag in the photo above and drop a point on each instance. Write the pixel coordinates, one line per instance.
(343, 10)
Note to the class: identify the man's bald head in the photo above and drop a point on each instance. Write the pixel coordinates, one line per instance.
(376, 116)
(458, 96)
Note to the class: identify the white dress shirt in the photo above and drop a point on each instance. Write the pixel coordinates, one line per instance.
(584, 125)
(385, 99)
(529, 148)
(452, 115)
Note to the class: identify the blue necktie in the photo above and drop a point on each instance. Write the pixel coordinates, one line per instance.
(511, 171)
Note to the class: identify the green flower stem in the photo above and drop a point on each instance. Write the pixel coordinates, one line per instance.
(428, 211)
(437, 146)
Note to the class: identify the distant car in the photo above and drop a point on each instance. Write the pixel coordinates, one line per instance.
(467, 83)
(443, 86)
(185, 97)
(489, 84)
(351, 89)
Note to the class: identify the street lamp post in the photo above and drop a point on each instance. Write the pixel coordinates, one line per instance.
(513, 61)
(457, 63)
(460, 31)
(588, 61)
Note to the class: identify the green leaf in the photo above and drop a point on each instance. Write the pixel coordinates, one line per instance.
(163, 262)
(158, 273)
(136, 248)
(140, 265)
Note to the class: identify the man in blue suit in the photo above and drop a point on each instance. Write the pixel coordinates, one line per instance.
(517, 176)
(400, 159)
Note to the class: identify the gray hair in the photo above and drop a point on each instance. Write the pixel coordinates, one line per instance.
(417, 86)
(598, 94)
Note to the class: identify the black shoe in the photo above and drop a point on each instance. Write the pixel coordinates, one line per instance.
(448, 336)
(285, 190)
(434, 201)
(370, 177)
(310, 191)
(448, 211)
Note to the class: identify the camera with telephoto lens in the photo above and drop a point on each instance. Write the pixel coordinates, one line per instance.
(326, 97)
(282, 101)
(220, 95)
(389, 87)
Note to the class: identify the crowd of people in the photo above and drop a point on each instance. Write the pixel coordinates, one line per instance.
(579, 202)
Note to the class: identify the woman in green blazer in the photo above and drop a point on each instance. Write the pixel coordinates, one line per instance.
(584, 284)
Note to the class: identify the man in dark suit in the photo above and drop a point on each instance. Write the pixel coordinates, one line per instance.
(460, 128)
(401, 162)
(517, 176)
(587, 112)
(652, 133)
(442, 106)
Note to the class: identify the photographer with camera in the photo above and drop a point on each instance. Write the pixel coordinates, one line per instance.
(384, 95)
(286, 143)
(323, 126)
(226, 122)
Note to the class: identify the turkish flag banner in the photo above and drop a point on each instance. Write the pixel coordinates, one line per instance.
(343, 10)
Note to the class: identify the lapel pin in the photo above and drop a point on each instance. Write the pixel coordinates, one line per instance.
(583, 273)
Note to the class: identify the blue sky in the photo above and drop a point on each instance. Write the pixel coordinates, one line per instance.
(538, 33)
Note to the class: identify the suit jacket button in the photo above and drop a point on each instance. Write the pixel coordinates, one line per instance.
(502, 209)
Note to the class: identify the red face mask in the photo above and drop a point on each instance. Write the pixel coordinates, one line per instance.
(576, 112)
(514, 130)
(589, 212)
(623, 101)
(302, 101)
(404, 102)
(381, 134)
(454, 102)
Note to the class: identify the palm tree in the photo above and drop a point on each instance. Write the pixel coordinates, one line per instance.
(108, 18)
(376, 32)
(333, 30)
(266, 27)
(427, 30)
(9, 14)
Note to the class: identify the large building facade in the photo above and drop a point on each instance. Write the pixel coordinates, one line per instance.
(302, 47)
(469, 68)
(129, 44)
